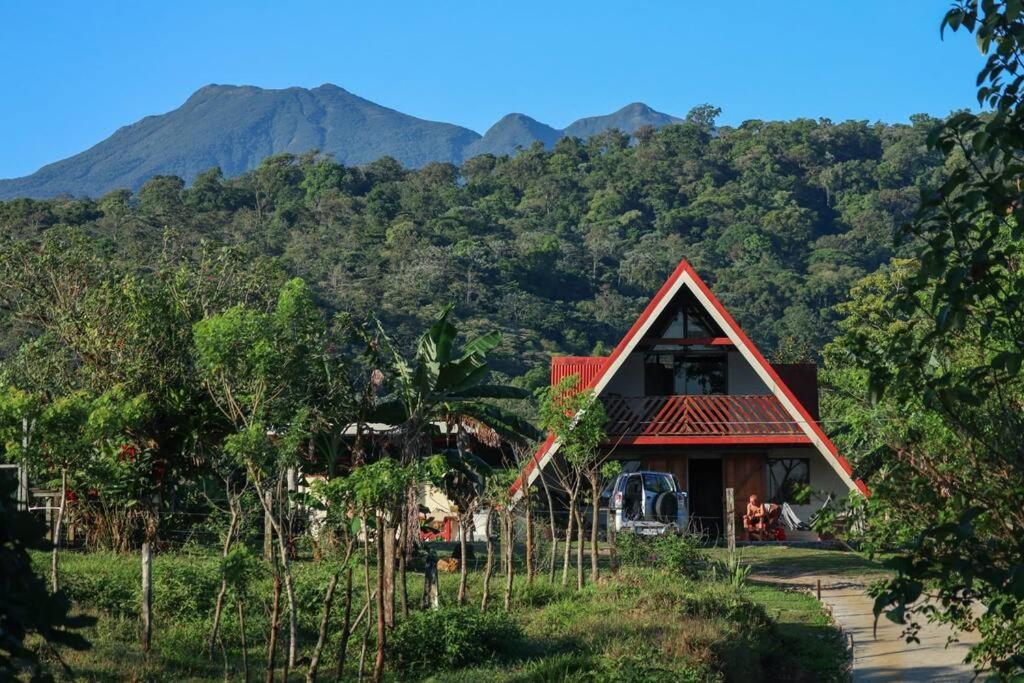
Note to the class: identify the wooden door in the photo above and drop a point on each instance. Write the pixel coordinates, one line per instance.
(745, 473)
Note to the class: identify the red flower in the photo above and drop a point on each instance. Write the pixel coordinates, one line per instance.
(128, 452)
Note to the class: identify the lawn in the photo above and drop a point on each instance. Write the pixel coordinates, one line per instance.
(644, 624)
(792, 562)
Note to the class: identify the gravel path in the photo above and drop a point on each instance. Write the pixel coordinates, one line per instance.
(885, 655)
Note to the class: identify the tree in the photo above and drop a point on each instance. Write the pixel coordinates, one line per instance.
(939, 343)
(577, 420)
(262, 371)
(438, 385)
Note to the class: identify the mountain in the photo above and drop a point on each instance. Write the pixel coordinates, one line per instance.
(511, 132)
(235, 127)
(628, 119)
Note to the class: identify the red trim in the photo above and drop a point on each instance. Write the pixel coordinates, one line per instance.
(791, 440)
(684, 268)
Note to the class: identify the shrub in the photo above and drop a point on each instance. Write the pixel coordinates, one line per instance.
(673, 552)
(541, 593)
(450, 638)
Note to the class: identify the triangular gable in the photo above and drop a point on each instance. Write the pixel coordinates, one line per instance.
(685, 276)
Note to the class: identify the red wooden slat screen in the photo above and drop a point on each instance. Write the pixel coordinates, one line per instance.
(698, 416)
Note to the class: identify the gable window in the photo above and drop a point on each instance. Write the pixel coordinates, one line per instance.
(687, 319)
(785, 477)
(685, 374)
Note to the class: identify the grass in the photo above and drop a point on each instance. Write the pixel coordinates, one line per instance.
(645, 624)
(784, 561)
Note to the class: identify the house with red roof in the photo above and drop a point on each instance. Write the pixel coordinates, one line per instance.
(687, 392)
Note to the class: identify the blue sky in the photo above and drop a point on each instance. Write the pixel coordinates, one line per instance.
(73, 72)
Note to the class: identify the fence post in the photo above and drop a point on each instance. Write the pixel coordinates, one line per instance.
(730, 520)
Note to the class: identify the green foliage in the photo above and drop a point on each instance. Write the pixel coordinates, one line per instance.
(450, 638)
(928, 373)
(577, 418)
(673, 552)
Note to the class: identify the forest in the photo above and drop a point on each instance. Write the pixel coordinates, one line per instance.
(558, 249)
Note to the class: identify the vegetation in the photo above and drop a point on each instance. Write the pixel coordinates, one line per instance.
(557, 249)
(647, 623)
(928, 373)
(157, 348)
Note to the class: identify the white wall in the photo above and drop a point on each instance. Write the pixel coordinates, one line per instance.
(823, 479)
(629, 380)
(742, 378)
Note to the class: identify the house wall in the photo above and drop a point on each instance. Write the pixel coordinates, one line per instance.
(823, 479)
(629, 380)
(742, 378)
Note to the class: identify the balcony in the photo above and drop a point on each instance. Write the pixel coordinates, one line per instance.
(709, 419)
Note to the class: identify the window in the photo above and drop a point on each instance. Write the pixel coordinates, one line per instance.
(785, 477)
(685, 374)
(657, 483)
(686, 320)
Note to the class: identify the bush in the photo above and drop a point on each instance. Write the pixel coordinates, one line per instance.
(673, 552)
(450, 638)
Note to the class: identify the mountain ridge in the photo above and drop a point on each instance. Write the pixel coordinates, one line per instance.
(236, 126)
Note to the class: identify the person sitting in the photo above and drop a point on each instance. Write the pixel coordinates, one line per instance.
(760, 518)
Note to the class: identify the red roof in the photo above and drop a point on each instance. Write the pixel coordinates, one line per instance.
(587, 368)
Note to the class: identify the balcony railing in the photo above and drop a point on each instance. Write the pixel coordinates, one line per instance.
(695, 416)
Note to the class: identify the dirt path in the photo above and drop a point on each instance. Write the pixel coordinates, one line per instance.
(884, 656)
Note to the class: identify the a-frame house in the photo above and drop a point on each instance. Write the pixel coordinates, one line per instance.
(686, 391)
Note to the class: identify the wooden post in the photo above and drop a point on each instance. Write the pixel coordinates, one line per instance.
(730, 520)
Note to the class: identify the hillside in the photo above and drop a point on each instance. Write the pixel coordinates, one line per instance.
(234, 127)
(561, 248)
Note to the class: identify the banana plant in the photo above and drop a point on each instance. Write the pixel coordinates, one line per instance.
(438, 385)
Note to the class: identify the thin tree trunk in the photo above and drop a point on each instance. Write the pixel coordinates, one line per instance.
(54, 577)
(387, 538)
(613, 559)
(370, 595)
(268, 525)
(219, 606)
(553, 528)
(245, 648)
(147, 575)
(147, 594)
(314, 662)
(530, 565)
(463, 568)
(403, 586)
(489, 567)
(378, 664)
(275, 615)
(594, 519)
(580, 543)
(431, 595)
(568, 541)
(345, 625)
(289, 588)
(510, 545)
(285, 569)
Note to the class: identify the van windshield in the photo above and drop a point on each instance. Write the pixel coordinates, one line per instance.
(657, 483)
